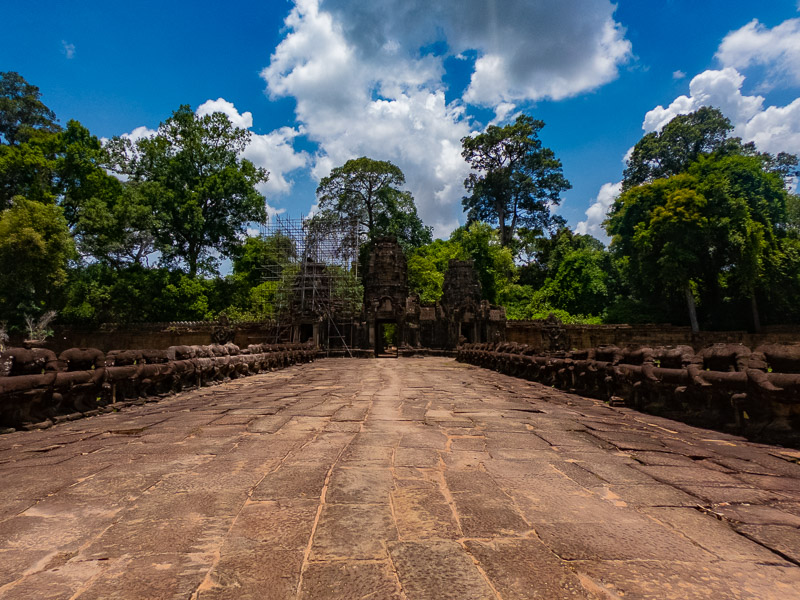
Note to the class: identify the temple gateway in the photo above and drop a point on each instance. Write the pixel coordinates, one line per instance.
(390, 318)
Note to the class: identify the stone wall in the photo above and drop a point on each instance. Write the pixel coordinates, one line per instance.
(160, 336)
(576, 337)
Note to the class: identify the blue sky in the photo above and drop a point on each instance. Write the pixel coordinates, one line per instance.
(328, 80)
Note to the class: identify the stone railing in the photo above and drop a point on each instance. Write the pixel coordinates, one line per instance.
(38, 388)
(726, 386)
(539, 334)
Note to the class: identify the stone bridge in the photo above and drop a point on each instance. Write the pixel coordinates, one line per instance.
(410, 478)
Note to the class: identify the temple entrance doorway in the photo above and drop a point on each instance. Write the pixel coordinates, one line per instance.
(386, 339)
(306, 332)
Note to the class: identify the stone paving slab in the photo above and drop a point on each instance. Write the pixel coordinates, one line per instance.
(393, 479)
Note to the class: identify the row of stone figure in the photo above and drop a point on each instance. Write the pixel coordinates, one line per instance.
(724, 385)
(36, 385)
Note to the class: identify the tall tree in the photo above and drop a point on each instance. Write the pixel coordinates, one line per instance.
(29, 169)
(368, 192)
(21, 110)
(208, 192)
(120, 228)
(516, 180)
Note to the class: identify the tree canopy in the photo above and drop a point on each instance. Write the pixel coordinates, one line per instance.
(687, 138)
(369, 192)
(516, 180)
(207, 192)
(21, 110)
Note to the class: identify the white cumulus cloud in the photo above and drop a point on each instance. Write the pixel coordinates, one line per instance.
(353, 108)
(775, 129)
(526, 49)
(721, 89)
(596, 213)
(365, 85)
(542, 66)
(139, 133)
(243, 120)
(776, 49)
(272, 151)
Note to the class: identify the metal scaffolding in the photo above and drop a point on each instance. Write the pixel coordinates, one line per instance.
(317, 288)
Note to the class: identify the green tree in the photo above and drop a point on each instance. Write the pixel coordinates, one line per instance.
(540, 256)
(704, 213)
(516, 179)
(35, 248)
(368, 192)
(711, 231)
(21, 111)
(28, 169)
(750, 201)
(28, 142)
(681, 142)
(113, 221)
(793, 215)
(427, 266)
(119, 229)
(400, 219)
(207, 191)
(582, 279)
(132, 293)
(662, 228)
(255, 255)
(79, 166)
(566, 273)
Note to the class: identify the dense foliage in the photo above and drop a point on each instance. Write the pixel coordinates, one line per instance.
(704, 217)
(205, 192)
(706, 230)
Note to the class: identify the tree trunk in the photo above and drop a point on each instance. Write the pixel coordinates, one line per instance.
(371, 222)
(192, 260)
(692, 309)
(502, 224)
(754, 308)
